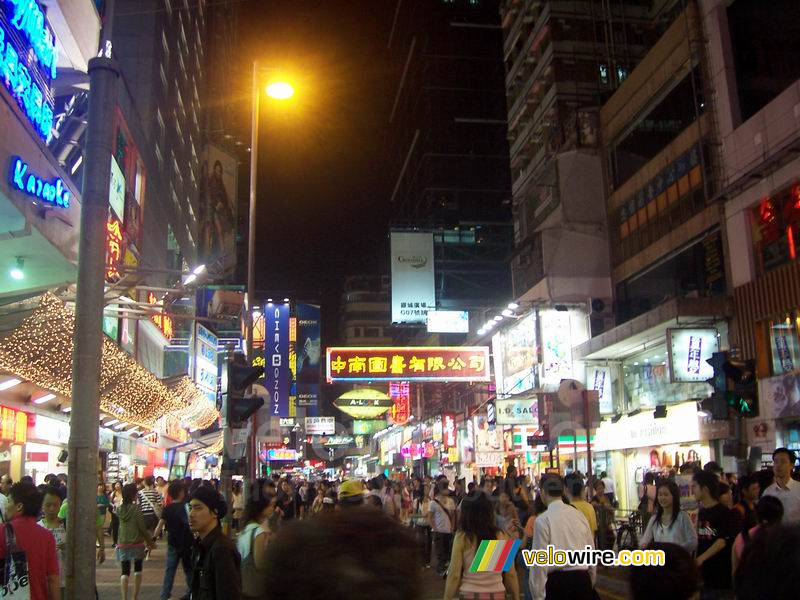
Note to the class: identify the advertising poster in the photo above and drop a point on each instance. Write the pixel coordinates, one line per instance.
(206, 371)
(277, 377)
(448, 321)
(515, 357)
(413, 285)
(309, 351)
(781, 395)
(556, 347)
(487, 438)
(599, 380)
(217, 207)
(519, 411)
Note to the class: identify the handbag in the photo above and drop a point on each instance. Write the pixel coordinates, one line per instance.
(14, 581)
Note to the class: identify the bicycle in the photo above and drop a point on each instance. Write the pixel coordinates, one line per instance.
(628, 532)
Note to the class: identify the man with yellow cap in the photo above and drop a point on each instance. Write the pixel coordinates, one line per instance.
(351, 493)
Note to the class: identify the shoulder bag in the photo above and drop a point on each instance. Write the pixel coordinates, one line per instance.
(14, 581)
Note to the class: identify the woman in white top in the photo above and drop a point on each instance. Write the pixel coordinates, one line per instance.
(252, 545)
(670, 524)
(477, 524)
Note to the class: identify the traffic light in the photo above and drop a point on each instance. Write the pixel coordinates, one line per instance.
(735, 386)
(743, 394)
(239, 407)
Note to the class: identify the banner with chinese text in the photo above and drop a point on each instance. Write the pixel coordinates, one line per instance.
(457, 363)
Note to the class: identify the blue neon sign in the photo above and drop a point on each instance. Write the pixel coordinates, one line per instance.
(52, 192)
(28, 58)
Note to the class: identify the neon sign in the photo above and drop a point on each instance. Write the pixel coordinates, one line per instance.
(13, 425)
(163, 322)
(53, 192)
(401, 409)
(113, 249)
(28, 58)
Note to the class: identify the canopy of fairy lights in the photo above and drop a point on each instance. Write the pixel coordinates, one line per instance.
(39, 349)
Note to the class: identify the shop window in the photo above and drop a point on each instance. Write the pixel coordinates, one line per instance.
(785, 344)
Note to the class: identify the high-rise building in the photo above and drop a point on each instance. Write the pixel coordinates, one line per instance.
(563, 60)
(160, 45)
(365, 311)
(451, 163)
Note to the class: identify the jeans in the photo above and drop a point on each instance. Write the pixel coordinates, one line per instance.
(443, 542)
(175, 556)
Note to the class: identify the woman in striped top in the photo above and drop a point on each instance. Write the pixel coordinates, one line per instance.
(476, 525)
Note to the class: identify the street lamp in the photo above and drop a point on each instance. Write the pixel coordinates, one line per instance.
(277, 90)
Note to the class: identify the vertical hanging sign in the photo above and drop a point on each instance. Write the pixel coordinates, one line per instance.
(276, 348)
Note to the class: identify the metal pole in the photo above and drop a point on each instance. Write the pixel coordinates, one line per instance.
(251, 255)
(88, 337)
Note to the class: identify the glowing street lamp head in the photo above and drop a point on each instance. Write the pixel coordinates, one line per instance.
(280, 90)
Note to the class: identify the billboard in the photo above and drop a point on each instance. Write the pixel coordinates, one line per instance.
(427, 363)
(217, 208)
(413, 285)
(780, 395)
(515, 357)
(206, 371)
(448, 321)
(309, 351)
(518, 411)
(277, 377)
(598, 378)
(556, 346)
(689, 349)
(320, 425)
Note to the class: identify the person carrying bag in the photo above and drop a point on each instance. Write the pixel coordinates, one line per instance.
(14, 582)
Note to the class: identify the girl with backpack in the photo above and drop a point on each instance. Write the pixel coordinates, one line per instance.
(252, 545)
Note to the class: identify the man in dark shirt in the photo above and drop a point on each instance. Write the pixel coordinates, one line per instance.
(179, 539)
(714, 535)
(749, 491)
(216, 566)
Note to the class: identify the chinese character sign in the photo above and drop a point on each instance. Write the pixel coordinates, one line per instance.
(401, 409)
(689, 349)
(114, 250)
(13, 425)
(276, 348)
(428, 363)
(162, 321)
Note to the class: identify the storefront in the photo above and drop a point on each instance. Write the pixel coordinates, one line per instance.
(13, 436)
(44, 453)
(641, 443)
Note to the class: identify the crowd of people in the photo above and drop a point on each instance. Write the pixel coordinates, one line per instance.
(366, 539)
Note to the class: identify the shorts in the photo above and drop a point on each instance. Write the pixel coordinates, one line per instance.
(150, 522)
(130, 553)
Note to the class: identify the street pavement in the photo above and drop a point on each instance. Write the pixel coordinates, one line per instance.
(611, 583)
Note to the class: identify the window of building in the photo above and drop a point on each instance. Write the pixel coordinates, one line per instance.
(765, 49)
(656, 129)
(671, 198)
(698, 271)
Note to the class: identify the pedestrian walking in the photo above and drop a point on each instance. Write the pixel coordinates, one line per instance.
(5, 487)
(38, 571)
(785, 489)
(252, 545)
(116, 502)
(477, 523)
(770, 567)
(238, 505)
(51, 504)
(749, 492)
(564, 528)
(769, 513)
(216, 569)
(670, 524)
(441, 517)
(150, 504)
(134, 538)
(419, 520)
(179, 539)
(714, 536)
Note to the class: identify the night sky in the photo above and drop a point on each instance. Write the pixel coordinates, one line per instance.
(324, 177)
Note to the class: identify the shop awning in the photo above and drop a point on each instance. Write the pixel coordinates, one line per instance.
(647, 329)
(36, 345)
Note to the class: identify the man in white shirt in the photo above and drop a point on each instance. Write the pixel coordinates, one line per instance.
(609, 483)
(5, 487)
(441, 517)
(785, 489)
(564, 528)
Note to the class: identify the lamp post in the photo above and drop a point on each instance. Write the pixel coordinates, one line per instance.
(278, 90)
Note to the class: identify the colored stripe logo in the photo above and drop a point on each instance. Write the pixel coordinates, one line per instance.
(495, 555)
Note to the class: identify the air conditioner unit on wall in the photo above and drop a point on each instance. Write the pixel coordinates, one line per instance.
(601, 315)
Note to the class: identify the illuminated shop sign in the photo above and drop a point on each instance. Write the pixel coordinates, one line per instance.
(113, 249)
(13, 425)
(164, 323)
(52, 192)
(28, 57)
(401, 409)
(689, 349)
(429, 363)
